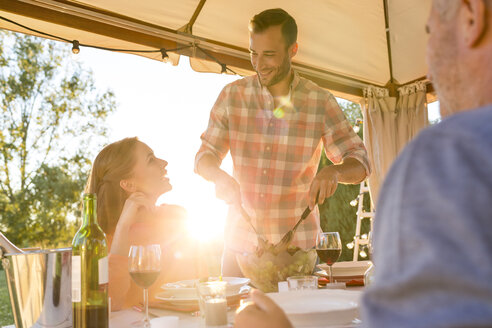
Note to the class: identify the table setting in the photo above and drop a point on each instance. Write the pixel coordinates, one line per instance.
(325, 298)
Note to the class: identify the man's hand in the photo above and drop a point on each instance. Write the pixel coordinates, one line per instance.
(227, 188)
(262, 313)
(325, 182)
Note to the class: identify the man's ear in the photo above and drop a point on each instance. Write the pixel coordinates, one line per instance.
(293, 49)
(128, 185)
(474, 16)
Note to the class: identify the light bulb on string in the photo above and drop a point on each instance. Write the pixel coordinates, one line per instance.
(350, 245)
(363, 253)
(358, 123)
(75, 50)
(165, 56)
(354, 202)
(364, 236)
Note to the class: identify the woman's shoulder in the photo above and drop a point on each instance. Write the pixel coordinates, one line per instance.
(171, 211)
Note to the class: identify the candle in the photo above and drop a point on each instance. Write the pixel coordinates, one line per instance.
(216, 312)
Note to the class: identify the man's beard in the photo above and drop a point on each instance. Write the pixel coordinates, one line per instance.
(280, 74)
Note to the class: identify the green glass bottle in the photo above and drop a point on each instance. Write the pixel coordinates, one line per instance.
(90, 271)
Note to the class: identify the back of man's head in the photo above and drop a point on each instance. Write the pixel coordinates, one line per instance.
(273, 17)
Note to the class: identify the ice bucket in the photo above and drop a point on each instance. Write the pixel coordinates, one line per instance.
(39, 284)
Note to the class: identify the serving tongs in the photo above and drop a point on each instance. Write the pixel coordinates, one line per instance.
(262, 243)
(284, 243)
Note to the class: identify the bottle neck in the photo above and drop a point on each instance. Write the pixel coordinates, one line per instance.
(90, 210)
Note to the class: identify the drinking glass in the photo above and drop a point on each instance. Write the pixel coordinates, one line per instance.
(302, 282)
(144, 265)
(213, 303)
(329, 248)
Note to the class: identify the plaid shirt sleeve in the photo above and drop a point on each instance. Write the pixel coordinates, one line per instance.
(215, 139)
(339, 139)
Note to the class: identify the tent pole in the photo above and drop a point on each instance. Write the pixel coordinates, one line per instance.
(188, 28)
(392, 81)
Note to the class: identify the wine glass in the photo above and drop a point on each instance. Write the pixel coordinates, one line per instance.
(329, 248)
(144, 265)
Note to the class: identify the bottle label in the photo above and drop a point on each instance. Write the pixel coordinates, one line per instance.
(76, 279)
(103, 270)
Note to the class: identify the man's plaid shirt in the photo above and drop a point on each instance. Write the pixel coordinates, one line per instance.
(276, 153)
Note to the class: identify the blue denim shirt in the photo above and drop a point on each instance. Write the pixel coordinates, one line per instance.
(433, 230)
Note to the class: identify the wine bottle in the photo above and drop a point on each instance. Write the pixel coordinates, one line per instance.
(90, 271)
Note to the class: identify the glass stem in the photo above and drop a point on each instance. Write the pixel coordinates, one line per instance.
(331, 274)
(146, 305)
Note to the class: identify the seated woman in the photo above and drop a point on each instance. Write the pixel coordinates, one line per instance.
(127, 179)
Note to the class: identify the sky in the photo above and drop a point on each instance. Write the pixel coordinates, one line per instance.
(168, 107)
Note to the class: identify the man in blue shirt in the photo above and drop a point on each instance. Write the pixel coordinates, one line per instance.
(433, 226)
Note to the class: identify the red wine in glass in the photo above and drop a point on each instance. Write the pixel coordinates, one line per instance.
(144, 265)
(329, 256)
(145, 278)
(329, 248)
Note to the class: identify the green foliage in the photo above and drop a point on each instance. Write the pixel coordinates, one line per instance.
(336, 214)
(6, 317)
(51, 123)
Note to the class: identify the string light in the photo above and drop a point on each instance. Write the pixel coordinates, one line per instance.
(354, 202)
(364, 236)
(75, 47)
(358, 123)
(363, 253)
(165, 57)
(350, 245)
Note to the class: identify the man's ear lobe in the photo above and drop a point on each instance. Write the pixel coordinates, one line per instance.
(128, 185)
(475, 21)
(294, 49)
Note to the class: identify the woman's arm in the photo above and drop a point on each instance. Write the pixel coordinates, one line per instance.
(119, 278)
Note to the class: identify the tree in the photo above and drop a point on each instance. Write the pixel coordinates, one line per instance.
(336, 213)
(52, 123)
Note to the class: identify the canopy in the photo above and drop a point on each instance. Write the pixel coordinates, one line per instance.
(343, 45)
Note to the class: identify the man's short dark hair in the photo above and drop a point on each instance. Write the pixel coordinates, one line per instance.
(273, 17)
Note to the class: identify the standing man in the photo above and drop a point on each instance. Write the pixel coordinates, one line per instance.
(275, 124)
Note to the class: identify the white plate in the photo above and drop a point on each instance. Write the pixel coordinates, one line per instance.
(178, 300)
(348, 268)
(319, 308)
(187, 288)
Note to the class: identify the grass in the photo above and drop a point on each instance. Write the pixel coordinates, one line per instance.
(6, 317)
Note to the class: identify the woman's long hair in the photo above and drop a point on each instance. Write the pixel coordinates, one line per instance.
(114, 163)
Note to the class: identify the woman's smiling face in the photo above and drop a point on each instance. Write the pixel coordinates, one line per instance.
(149, 174)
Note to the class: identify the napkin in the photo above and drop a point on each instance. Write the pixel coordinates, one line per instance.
(164, 322)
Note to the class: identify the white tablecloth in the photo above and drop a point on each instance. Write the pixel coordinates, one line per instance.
(124, 318)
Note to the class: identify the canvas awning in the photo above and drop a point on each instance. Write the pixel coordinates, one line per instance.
(343, 45)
